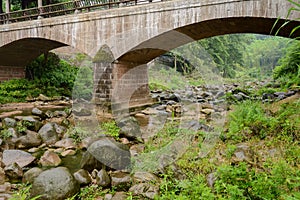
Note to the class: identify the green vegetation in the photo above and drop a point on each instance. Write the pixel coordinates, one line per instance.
(110, 128)
(262, 175)
(288, 72)
(55, 76)
(46, 75)
(23, 193)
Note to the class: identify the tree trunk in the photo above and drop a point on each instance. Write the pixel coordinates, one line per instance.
(1, 4)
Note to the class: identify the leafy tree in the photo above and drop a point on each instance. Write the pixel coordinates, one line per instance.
(263, 54)
(289, 69)
(226, 52)
(51, 72)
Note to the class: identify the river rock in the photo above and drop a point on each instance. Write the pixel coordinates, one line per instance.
(111, 153)
(5, 187)
(50, 159)
(207, 111)
(2, 176)
(31, 139)
(20, 157)
(38, 112)
(89, 162)
(82, 177)
(9, 122)
(49, 114)
(69, 152)
(59, 129)
(120, 179)
(107, 197)
(130, 128)
(103, 178)
(31, 123)
(48, 134)
(59, 113)
(13, 171)
(42, 97)
(211, 179)
(56, 183)
(12, 132)
(144, 177)
(147, 190)
(120, 196)
(31, 174)
(5, 196)
(175, 97)
(66, 143)
(243, 153)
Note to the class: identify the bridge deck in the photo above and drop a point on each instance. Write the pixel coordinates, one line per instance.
(69, 7)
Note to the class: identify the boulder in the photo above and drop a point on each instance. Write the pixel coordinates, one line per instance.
(56, 183)
(147, 190)
(50, 159)
(175, 97)
(82, 177)
(144, 177)
(48, 134)
(13, 171)
(103, 178)
(20, 157)
(120, 196)
(89, 162)
(130, 128)
(211, 179)
(69, 152)
(2, 176)
(120, 179)
(9, 122)
(243, 153)
(66, 143)
(37, 112)
(31, 174)
(31, 139)
(31, 123)
(111, 153)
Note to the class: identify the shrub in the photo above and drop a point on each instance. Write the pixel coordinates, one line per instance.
(248, 119)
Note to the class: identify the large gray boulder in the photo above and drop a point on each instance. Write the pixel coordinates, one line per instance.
(31, 139)
(130, 128)
(110, 153)
(48, 134)
(56, 183)
(9, 122)
(20, 157)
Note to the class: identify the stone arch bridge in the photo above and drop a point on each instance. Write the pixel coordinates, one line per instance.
(121, 41)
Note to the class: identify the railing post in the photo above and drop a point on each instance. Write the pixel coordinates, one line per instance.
(7, 6)
(7, 10)
(40, 8)
(76, 6)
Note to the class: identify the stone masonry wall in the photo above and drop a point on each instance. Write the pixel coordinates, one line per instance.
(7, 73)
(121, 86)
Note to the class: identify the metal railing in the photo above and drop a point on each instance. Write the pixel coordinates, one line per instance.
(66, 8)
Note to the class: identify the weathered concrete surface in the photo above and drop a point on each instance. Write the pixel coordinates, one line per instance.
(139, 33)
(132, 36)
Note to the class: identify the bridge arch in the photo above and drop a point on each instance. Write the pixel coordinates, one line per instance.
(154, 47)
(28, 48)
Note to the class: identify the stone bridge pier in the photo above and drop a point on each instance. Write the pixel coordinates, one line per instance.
(119, 86)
